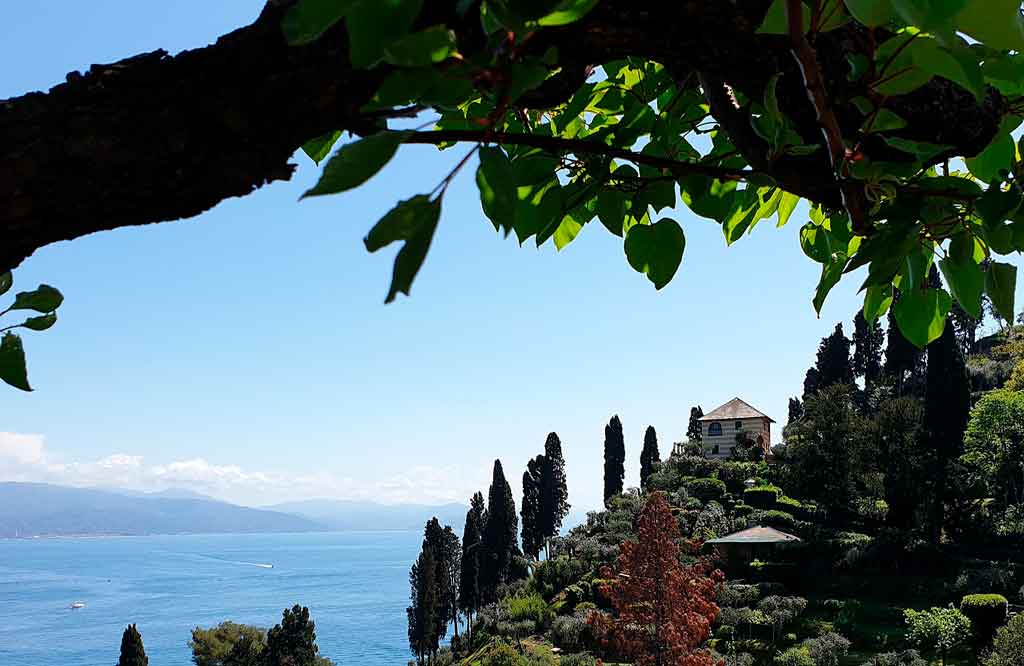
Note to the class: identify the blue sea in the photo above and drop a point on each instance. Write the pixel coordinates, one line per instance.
(354, 583)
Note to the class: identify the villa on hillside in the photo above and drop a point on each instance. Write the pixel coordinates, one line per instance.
(720, 426)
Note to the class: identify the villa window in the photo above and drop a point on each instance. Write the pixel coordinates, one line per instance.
(739, 425)
(715, 430)
(714, 449)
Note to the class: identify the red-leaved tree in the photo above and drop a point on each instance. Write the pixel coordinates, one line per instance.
(663, 608)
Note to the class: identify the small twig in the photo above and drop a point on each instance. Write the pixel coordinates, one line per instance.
(559, 144)
(446, 181)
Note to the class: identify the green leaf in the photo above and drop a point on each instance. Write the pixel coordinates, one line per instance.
(877, 300)
(830, 274)
(43, 299)
(884, 121)
(12, 362)
(308, 19)
(775, 20)
(374, 25)
(997, 157)
(787, 203)
(427, 47)
(997, 23)
(872, 13)
(6, 281)
(656, 250)
(611, 210)
(318, 148)
(413, 221)
(1000, 285)
(566, 232)
(914, 58)
(356, 162)
(966, 281)
(41, 323)
(921, 314)
(928, 14)
(567, 11)
(496, 182)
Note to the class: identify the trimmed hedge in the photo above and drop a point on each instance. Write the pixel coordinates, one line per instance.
(706, 489)
(743, 509)
(778, 519)
(987, 613)
(764, 497)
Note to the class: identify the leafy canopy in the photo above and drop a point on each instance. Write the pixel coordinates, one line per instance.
(631, 142)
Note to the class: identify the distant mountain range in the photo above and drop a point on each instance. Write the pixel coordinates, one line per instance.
(38, 509)
(353, 515)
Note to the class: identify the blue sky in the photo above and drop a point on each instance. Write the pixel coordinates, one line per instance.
(248, 352)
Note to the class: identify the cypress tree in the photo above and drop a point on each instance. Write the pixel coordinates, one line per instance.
(694, 431)
(648, 456)
(832, 365)
(902, 358)
(422, 613)
(947, 407)
(554, 489)
(614, 458)
(472, 539)
(499, 540)
(868, 342)
(132, 651)
(795, 411)
(293, 641)
(532, 507)
(452, 567)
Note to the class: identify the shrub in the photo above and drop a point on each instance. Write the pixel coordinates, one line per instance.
(905, 658)
(763, 497)
(571, 632)
(706, 489)
(987, 612)
(586, 606)
(789, 504)
(530, 608)
(579, 659)
(774, 518)
(827, 650)
(738, 659)
(742, 509)
(501, 654)
(794, 656)
(1008, 646)
(557, 574)
(940, 628)
(738, 594)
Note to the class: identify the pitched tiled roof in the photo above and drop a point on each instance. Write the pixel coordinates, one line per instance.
(734, 409)
(757, 535)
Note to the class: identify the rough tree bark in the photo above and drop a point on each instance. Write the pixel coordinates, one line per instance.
(154, 138)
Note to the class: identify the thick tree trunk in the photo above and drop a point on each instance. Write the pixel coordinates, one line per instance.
(155, 138)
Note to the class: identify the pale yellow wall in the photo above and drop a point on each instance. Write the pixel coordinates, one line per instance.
(727, 440)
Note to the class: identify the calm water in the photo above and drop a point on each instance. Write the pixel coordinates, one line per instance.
(355, 584)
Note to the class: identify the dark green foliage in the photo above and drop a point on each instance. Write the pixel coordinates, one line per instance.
(423, 614)
(947, 407)
(558, 573)
(614, 458)
(903, 455)
(868, 342)
(532, 508)
(648, 456)
(499, 536)
(293, 641)
(1008, 646)
(902, 358)
(827, 650)
(763, 497)
(694, 432)
(706, 490)
(905, 658)
(773, 518)
(227, 644)
(832, 365)
(451, 572)
(472, 545)
(554, 488)
(132, 651)
(987, 612)
(794, 411)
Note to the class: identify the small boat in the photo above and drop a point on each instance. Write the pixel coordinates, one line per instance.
(75, 605)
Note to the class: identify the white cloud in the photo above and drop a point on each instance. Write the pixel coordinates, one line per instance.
(24, 457)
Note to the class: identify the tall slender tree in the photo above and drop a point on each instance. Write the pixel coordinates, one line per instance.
(902, 359)
(868, 343)
(694, 431)
(532, 507)
(451, 551)
(133, 653)
(832, 365)
(947, 407)
(614, 458)
(648, 456)
(794, 411)
(422, 613)
(500, 533)
(472, 547)
(554, 489)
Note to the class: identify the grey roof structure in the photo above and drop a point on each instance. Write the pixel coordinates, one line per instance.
(757, 535)
(734, 409)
